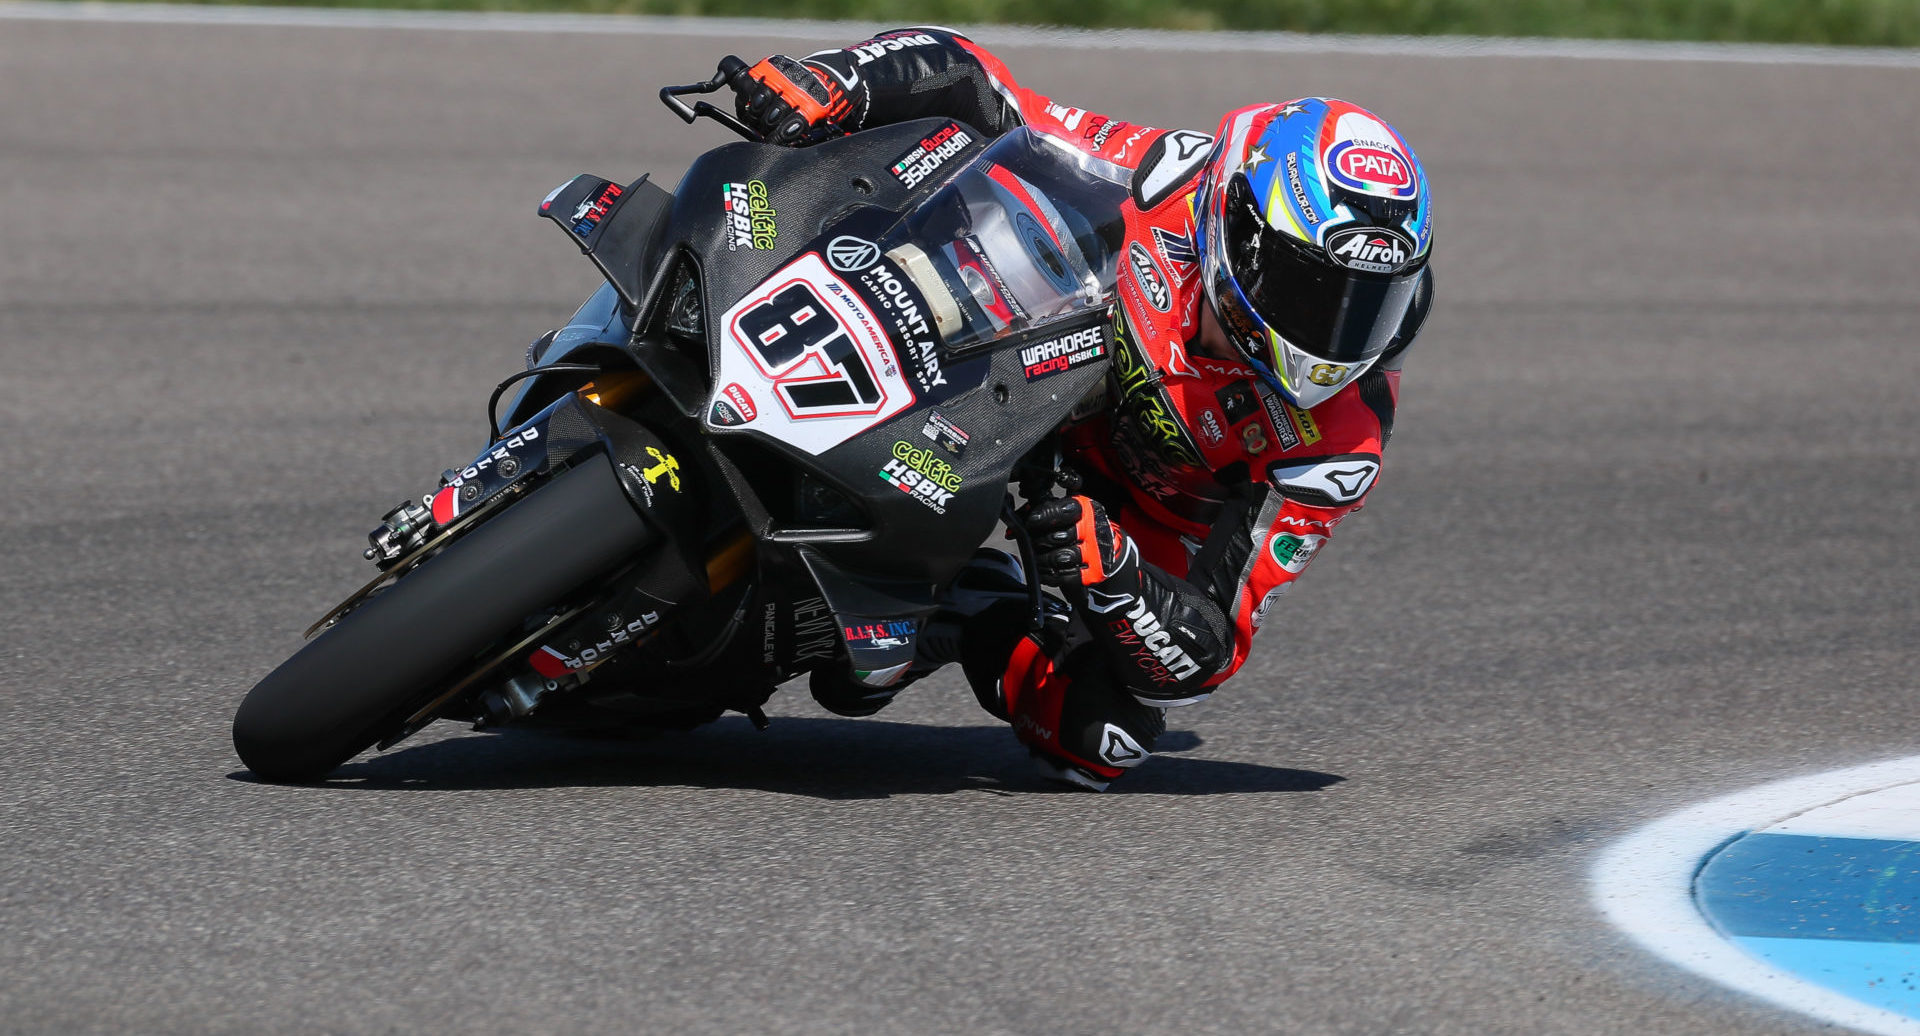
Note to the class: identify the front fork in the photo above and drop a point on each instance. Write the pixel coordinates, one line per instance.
(560, 651)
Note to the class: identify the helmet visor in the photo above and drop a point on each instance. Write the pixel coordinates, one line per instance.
(1340, 315)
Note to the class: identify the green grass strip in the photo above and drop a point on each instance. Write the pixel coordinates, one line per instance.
(1885, 23)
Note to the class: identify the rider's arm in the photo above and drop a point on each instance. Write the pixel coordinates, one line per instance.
(929, 71)
(922, 72)
(1292, 516)
(926, 72)
(1165, 637)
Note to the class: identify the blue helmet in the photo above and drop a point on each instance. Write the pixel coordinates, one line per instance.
(1313, 225)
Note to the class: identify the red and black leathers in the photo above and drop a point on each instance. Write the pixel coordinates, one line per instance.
(1162, 637)
(1206, 492)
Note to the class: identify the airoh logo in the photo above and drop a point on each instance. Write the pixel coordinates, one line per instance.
(1370, 249)
(1147, 275)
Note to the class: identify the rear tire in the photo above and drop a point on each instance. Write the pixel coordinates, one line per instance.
(359, 680)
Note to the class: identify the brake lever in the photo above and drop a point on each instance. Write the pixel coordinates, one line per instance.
(730, 69)
(1035, 485)
(1030, 560)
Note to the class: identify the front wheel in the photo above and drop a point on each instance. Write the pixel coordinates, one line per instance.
(359, 680)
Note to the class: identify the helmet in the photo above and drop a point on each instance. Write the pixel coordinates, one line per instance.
(1313, 228)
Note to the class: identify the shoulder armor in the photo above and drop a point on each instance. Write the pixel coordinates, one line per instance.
(1168, 164)
(1329, 481)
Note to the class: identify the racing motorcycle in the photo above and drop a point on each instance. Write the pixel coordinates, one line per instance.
(764, 445)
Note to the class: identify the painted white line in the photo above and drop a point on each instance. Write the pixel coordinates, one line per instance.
(1891, 816)
(995, 35)
(1644, 885)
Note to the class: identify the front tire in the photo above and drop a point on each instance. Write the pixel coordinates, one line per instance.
(359, 680)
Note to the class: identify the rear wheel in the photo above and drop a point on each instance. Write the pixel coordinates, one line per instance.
(359, 680)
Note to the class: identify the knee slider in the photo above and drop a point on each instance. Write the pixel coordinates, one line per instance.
(1100, 721)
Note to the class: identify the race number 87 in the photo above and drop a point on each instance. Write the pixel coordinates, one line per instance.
(812, 361)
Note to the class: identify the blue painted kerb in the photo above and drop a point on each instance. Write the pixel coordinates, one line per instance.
(1808, 887)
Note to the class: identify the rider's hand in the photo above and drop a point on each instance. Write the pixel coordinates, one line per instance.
(794, 102)
(1074, 542)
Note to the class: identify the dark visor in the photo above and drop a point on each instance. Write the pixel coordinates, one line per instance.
(1339, 315)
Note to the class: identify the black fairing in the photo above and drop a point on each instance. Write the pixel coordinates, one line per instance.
(807, 189)
(873, 549)
(837, 503)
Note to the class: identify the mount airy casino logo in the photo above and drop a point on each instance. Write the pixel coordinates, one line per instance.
(1063, 353)
(749, 215)
(930, 154)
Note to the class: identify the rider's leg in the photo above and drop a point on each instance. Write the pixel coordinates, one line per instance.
(992, 577)
(1081, 726)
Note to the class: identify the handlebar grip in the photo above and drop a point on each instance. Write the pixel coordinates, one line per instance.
(732, 69)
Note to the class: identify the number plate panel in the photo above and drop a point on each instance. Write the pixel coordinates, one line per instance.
(803, 359)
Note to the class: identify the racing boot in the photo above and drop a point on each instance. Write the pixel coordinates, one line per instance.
(1081, 727)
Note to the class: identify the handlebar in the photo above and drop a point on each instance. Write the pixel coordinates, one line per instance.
(727, 74)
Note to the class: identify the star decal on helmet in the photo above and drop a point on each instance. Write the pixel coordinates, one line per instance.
(1290, 108)
(1255, 157)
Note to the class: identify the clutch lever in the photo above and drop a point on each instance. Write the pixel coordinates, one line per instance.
(730, 70)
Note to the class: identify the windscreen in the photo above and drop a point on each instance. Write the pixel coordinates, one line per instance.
(1026, 234)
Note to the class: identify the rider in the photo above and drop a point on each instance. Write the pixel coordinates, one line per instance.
(1275, 275)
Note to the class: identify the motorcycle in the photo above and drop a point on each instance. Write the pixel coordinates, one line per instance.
(803, 396)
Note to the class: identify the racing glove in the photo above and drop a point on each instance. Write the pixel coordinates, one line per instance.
(1165, 637)
(796, 102)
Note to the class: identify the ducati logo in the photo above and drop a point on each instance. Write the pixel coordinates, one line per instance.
(1324, 374)
(851, 254)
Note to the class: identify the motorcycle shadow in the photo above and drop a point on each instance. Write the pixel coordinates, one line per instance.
(827, 758)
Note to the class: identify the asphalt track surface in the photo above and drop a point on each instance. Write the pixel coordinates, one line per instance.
(1644, 538)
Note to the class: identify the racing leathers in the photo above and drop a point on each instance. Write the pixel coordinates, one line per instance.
(1205, 492)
